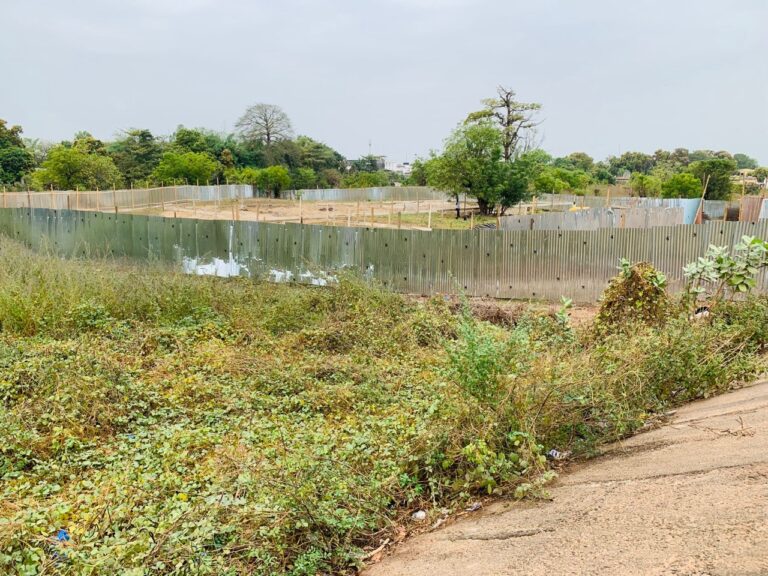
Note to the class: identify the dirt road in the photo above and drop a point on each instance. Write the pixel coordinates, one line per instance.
(690, 498)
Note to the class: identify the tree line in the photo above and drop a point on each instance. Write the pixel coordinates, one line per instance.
(494, 156)
(263, 151)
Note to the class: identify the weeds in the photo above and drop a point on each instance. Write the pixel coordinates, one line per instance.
(187, 425)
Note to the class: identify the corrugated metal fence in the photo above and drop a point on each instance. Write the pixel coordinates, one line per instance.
(595, 218)
(503, 264)
(134, 198)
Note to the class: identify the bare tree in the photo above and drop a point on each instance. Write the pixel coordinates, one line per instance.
(515, 119)
(265, 123)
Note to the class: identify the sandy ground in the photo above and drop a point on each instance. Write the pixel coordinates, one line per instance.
(690, 498)
(381, 214)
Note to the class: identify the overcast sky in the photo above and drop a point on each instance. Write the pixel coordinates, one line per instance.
(611, 75)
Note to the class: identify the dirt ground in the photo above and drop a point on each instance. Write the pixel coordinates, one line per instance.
(380, 214)
(689, 498)
(411, 214)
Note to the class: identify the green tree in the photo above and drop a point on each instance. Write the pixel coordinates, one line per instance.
(645, 185)
(303, 178)
(73, 168)
(136, 154)
(418, 175)
(366, 179)
(632, 161)
(716, 174)
(581, 161)
(471, 164)
(185, 168)
(761, 174)
(683, 185)
(274, 180)
(15, 159)
(316, 155)
(744, 162)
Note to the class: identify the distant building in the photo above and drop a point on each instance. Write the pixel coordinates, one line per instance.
(403, 168)
(624, 178)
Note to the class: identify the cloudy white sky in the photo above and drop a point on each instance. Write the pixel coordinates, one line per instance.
(611, 76)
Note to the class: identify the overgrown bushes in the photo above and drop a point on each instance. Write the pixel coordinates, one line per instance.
(187, 425)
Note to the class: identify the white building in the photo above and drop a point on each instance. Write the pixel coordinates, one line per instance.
(403, 168)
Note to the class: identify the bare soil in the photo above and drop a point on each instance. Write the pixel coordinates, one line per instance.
(689, 498)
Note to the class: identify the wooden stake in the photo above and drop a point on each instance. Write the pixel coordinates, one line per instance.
(301, 216)
(371, 216)
(429, 218)
(357, 213)
(349, 217)
(399, 220)
(472, 220)
(389, 216)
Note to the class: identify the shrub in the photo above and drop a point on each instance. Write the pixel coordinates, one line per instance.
(636, 295)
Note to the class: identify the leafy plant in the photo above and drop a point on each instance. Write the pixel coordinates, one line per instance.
(719, 274)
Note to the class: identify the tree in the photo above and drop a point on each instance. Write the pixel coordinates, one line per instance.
(745, 162)
(303, 178)
(514, 119)
(716, 174)
(645, 185)
(136, 154)
(683, 185)
(556, 179)
(72, 168)
(265, 123)
(632, 161)
(471, 164)
(369, 163)
(185, 168)
(582, 161)
(761, 174)
(274, 179)
(15, 159)
(316, 155)
(418, 176)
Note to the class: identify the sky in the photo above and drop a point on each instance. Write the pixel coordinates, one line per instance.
(394, 75)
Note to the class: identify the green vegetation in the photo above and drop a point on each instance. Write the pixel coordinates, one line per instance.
(492, 157)
(190, 425)
(263, 143)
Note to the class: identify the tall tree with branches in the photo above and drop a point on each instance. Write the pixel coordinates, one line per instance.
(515, 120)
(265, 123)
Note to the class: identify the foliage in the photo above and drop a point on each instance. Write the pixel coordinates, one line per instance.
(136, 155)
(637, 295)
(471, 164)
(274, 179)
(554, 180)
(365, 179)
(716, 174)
(645, 185)
(15, 159)
(175, 424)
(73, 167)
(185, 168)
(743, 161)
(683, 185)
(719, 274)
